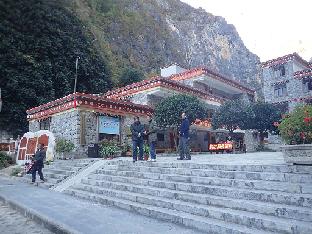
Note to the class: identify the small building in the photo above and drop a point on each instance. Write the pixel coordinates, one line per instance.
(287, 80)
(87, 119)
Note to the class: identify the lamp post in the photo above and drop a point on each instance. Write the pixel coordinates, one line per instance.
(76, 75)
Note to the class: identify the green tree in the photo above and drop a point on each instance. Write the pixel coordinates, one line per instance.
(231, 115)
(168, 111)
(130, 76)
(263, 117)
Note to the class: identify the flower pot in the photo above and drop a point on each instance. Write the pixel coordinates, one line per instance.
(297, 154)
(145, 157)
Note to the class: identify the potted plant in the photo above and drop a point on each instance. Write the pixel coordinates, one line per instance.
(63, 148)
(296, 131)
(146, 151)
(109, 149)
(125, 150)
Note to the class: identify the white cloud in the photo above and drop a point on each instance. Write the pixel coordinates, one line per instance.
(269, 28)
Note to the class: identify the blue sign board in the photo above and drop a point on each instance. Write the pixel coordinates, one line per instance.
(108, 125)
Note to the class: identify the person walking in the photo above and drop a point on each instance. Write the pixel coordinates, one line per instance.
(184, 149)
(137, 130)
(38, 164)
(151, 131)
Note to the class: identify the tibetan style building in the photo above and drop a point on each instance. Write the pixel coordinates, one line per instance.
(87, 119)
(287, 80)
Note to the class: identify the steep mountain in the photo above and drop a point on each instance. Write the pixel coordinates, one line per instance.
(150, 34)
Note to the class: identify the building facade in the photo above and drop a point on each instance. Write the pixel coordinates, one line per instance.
(287, 80)
(87, 119)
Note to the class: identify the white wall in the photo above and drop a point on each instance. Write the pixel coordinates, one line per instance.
(171, 70)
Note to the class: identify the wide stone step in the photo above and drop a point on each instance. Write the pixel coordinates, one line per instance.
(53, 180)
(58, 171)
(258, 221)
(238, 183)
(249, 175)
(279, 210)
(204, 224)
(156, 187)
(54, 176)
(300, 169)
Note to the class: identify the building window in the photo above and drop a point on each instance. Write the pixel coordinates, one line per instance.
(45, 124)
(307, 85)
(160, 137)
(279, 71)
(280, 90)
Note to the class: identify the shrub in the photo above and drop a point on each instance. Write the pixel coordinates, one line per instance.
(64, 146)
(109, 149)
(296, 128)
(16, 171)
(5, 160)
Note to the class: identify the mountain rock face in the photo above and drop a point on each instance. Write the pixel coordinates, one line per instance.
(155, 33)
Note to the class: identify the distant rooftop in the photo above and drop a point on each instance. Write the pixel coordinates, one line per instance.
(284, 59)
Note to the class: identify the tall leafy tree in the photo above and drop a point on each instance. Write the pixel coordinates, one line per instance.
(231, 115)
(263, 117)
(168, 111)
(39, 43)
(130, 76)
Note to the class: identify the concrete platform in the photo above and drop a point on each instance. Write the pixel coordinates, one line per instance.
(257, 158)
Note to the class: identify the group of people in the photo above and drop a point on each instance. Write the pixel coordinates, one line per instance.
(138, 131)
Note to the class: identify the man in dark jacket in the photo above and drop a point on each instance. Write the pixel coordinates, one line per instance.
(137, 130)
(39, 157)
(151, 131)
(184, 149)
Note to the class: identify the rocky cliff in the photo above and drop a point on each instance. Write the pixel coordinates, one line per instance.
(153, 33)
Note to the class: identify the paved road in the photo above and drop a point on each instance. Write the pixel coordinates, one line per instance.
(12, 222)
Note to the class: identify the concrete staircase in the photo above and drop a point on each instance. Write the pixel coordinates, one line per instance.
(58, 171)
(210, 198)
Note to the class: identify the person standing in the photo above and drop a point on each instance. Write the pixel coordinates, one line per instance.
(152, 137)
(184, 149)
(38, 164)
(137, 130)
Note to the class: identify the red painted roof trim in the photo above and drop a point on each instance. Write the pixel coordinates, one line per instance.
(205, 71)
(303, 73)
(87, 100)
(284, 59)
(159, 82)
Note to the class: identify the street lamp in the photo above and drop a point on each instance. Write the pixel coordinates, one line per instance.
(76, 76)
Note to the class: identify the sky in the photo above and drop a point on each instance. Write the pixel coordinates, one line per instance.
(269, 28)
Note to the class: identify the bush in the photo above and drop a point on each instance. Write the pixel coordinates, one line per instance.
(16, 171)
(64, 146)
(5, 160)
(296, 128)
(109, 149)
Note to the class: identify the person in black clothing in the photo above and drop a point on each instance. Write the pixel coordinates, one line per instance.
(137, 130)
(38, 165)
(184, 149)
